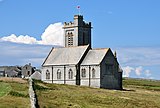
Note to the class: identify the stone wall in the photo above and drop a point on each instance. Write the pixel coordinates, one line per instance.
(32, 94)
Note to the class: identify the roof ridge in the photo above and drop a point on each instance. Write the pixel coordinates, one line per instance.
(73, 46)
(100, 48)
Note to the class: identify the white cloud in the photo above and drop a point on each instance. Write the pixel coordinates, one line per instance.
(142, 58)
(147, 73)
(53, 35)
(20, 54)
(138, 70)
(138, 56)
(127, 70)
(20, 39)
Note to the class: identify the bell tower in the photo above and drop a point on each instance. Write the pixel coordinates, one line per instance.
(77, 33)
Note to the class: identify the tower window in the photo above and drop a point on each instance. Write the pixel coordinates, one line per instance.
(70, 39)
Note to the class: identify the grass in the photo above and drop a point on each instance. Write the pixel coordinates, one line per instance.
(4, 89)
(137, 94)
(14, 94)
(142, 84)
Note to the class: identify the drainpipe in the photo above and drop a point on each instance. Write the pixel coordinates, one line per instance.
(52, 74)
(64, 74)
(89, 76)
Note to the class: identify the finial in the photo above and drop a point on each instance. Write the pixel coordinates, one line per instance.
(115, 54)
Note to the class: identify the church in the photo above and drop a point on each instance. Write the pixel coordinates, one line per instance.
(78, 63)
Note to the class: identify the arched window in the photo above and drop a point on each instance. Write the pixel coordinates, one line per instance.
(93, 73)
(47, 74)
(70, 39)
(70, 74)
(58, 74)
(83, 70)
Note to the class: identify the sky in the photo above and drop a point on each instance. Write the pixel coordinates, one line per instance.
(30, 28)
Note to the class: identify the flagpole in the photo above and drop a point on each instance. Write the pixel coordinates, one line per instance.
(79, 11)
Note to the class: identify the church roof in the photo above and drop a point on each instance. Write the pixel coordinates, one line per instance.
(95, 56)
(65, 56)
(36, 75)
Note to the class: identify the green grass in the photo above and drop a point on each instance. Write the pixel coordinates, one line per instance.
(137, 94)
(14, 95)
(142, 84)
(4, 88)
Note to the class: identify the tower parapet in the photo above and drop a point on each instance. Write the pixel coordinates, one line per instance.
(78, 21)
(78, 32)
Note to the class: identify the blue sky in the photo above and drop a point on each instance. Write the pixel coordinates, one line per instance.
(132, 27)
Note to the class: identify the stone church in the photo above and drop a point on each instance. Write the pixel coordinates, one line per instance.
(78, 64)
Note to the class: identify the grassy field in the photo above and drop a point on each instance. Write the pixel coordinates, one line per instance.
(136, 94)
(14, 93)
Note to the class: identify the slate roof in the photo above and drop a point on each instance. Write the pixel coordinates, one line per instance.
(65, 56)
(36, 75)
(95, 56)
(11, 73)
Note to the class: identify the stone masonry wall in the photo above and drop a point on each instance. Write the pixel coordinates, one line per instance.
(32, 94)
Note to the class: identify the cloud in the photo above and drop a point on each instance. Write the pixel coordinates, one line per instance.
(53, 35)
(138, 56)
(127, 70)
(138, 70)
(19, 39)
(20, 54)
(144, 60)
(147, 73)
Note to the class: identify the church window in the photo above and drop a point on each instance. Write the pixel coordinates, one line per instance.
(47, 74)
(93, 73)
(58, 74)
(70, 74)
(70, 39)
(83, 72)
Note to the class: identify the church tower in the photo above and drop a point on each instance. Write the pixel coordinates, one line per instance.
(77, 33)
